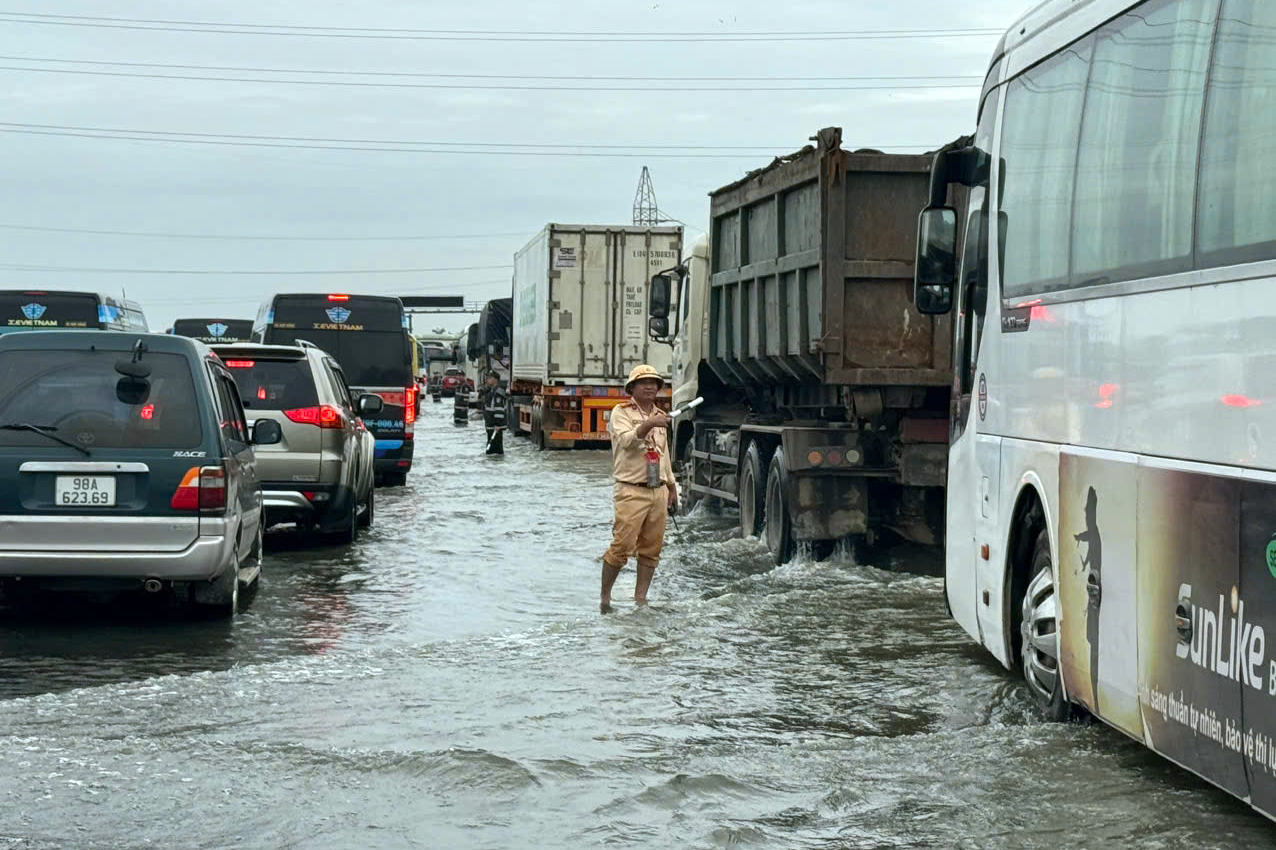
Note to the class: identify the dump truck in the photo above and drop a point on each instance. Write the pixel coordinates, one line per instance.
(579, 313)
(826, 393)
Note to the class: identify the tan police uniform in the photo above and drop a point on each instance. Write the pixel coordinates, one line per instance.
(641, 511)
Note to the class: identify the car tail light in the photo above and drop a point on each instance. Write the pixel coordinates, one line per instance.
(409, 405)
(240, 364)
(148, 411)
(212, 488)
(203, 488)
(325, 416)
(338, 297)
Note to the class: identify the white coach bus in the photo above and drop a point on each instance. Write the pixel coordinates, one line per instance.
(1111, 508)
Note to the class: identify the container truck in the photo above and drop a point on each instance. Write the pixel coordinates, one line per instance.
(580, 314)
(826, 392)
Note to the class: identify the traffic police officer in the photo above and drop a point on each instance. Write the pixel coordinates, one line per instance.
(494, 401)
(644, 490)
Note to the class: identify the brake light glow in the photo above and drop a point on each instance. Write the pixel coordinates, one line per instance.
(409, 405)
(338, 297)
(325, 416)
(148, 411)
(261, 393)
(240, 364)
(203, 488)
(1237, 400)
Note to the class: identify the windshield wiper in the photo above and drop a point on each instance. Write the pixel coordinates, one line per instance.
(44, 431)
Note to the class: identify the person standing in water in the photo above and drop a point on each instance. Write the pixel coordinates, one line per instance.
(644, 490)
(494, 401)
(1092, 562)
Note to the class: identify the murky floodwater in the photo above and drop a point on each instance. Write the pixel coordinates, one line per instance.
(448, 682)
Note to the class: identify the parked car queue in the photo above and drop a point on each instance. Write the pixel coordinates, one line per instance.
(152, 462)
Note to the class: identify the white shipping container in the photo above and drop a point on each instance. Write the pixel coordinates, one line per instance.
(580, 303)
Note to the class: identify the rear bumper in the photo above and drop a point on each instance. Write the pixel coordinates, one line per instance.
(284, 503)
(204, 559)
(392, 455)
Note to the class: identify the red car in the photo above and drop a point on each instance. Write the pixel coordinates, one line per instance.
(453, 379)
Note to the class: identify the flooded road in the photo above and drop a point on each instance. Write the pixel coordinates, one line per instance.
(448, 682)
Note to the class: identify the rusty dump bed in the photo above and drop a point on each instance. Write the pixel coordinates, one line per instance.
(813, 273)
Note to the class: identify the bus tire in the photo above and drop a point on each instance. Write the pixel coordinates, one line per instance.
(778, 523)
(751, 492)
(1040, 634)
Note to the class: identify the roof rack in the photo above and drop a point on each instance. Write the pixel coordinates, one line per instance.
(305, 343)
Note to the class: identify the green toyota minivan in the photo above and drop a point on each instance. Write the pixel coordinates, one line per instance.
(126, 463)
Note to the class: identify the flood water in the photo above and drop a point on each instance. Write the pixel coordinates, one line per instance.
(448, 682)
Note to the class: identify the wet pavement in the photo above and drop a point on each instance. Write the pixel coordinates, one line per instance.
(447, 682)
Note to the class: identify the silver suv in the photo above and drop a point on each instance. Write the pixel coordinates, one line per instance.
(320, 475)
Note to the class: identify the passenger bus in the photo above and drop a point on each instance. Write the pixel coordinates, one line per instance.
(1111, 509)
(214, 330)
(48, 309)
(368, 336)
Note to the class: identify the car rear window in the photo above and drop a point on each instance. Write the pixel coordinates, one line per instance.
(273, 384)
(79, 396)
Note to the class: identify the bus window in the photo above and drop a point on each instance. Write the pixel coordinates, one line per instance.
(973, 303)
(36, 310)
(1237, 221)
(365, 334)
(1139, 135)
(1039, 147)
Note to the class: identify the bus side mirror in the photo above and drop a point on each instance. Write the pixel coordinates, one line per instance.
(660, 298)
(935, 274)
(658, 327)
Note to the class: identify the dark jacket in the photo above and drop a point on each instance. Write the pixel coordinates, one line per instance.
(493, 401)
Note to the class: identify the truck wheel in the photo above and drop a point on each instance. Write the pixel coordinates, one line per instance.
(751, 493)
(538, 431)
(779, 526)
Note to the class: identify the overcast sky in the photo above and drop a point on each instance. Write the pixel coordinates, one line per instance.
(346, 203)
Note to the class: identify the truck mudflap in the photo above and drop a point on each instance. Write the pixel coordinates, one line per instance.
(828, 507)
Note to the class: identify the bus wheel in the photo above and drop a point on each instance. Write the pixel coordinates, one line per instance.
(779, 526)
(1041, 635)
(751, 493)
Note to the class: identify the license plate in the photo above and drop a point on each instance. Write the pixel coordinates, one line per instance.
(84, 491)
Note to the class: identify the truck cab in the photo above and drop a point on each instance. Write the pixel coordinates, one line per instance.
(691, 324)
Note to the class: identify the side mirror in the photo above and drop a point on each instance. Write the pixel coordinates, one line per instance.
(370, 403)
(658, 327)
(660, 297)
(935, 275)
(267, 432)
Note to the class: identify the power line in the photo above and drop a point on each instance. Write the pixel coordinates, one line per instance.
(89, 270)
(483, 87)
(475, 35)
(313, 143)
(232, 237)
(401, 290)
(425, 75)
